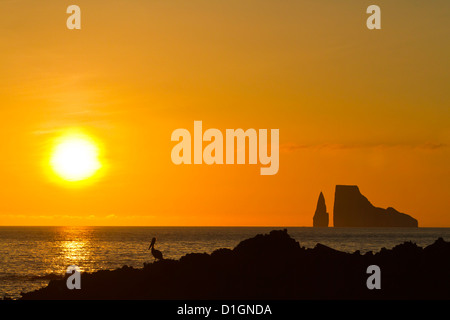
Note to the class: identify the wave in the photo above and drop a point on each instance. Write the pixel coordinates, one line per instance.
(18, 277)
(50, 276)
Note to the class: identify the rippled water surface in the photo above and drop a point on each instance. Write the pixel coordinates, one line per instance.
(31, 256)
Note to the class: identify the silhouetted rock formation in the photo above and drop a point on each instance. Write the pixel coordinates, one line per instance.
(352, 209)
(272, 266)
(320, 218)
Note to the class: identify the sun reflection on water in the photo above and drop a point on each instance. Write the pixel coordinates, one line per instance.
(73, 251)
(75, 247)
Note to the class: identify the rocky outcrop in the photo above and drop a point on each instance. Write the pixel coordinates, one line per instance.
(271, 267)
(320, 218)
(352, 209)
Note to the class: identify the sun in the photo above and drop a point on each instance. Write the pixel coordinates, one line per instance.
(75, 158)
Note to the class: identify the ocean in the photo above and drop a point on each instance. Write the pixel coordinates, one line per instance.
(31, 256)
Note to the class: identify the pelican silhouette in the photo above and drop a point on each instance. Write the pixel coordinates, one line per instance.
(155, 253)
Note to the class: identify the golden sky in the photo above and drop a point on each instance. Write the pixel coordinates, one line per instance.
(353, 106)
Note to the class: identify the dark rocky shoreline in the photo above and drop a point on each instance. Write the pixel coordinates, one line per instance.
(270, 267)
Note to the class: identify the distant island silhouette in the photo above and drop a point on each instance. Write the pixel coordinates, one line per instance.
(321, 217)
(352, 209)
(271, 266)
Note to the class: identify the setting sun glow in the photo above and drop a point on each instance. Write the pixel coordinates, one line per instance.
(75, 158)
(87, 116)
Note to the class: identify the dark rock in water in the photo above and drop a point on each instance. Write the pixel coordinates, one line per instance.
(269, 267)
(352, 209)
(320, 218)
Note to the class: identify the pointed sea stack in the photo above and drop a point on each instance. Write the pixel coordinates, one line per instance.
(320, 218)
(352, 209)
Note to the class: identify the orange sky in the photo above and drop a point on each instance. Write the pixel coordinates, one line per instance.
(353, 106)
